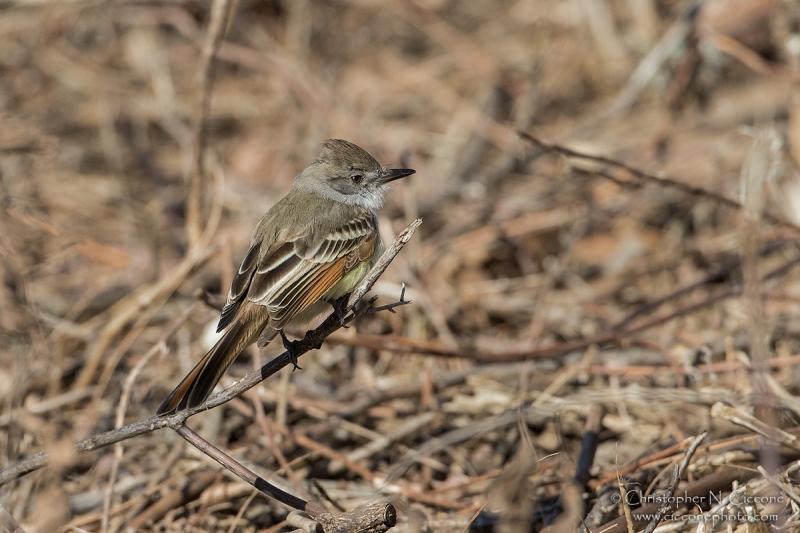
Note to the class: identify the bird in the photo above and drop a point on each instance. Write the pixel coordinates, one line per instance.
(312, 247)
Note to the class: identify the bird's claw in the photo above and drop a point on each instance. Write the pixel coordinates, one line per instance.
(339, 306)
(290, 347)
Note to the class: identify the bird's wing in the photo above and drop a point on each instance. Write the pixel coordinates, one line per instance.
(239, 285)
(295, 273)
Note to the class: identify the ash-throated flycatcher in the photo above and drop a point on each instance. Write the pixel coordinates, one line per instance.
(312, 247)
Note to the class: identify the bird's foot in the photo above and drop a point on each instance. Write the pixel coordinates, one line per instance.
(340, 308)
(291, 347)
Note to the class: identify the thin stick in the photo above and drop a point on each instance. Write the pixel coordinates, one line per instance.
(8, 523)
(673, 484)
(122, 408)
(771, 433)
(204, 79)
(661, 180)
(780, 485)
(242, 472)
(650, 65)
(623, 501)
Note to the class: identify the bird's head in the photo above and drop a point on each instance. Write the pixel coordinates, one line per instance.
(346, 173)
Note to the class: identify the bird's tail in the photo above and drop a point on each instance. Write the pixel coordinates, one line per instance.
(200, 382)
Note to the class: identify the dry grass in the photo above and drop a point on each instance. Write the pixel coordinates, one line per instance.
(544, 284)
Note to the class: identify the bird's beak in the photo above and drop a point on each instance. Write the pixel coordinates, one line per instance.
(391, 174)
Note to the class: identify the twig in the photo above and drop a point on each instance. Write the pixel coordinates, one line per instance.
(759, 168)
(451, 438)
(378, 517)
(7, 522)
(677, 472)
(736, 416)
(411, 494)
(720, 273)
(313, 338)
(172, 499)
(383, 263)
(748, 443)
(204, 78)
(49, 404)
(591, 438)
(261, 419)
(652, 62)
(780, 485)
(709, 368)
(748, 57)
(243, 472)
(623, 502)
(303, 521)
(161, 348)
(731, 292)
(242, 510)
(718, 481)
(640, 174)
(408, 427)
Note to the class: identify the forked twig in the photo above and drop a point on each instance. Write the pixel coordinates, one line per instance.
(677, 472)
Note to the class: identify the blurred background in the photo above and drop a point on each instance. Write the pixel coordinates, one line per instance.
(543, 285)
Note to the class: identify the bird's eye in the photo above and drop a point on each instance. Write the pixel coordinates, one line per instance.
(357, 178)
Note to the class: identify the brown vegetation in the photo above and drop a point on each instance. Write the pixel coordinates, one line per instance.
(611, 202)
